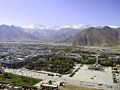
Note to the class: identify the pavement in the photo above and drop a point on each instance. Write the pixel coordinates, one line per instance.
(63, 78)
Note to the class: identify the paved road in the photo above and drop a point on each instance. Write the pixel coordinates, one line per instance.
(117, 87)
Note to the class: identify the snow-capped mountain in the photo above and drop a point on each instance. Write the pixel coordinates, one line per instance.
(54, 33)
(77, 26)
(72, 34)
(36, 26)
(41, 27)
(73, 26)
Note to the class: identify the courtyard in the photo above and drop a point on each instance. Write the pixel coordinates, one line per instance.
(86, 74)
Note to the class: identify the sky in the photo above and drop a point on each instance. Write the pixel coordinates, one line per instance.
(60, 12)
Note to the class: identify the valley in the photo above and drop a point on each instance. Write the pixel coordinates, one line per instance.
(63, 64)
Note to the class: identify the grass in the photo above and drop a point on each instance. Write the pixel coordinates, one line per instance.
(19, 80)
(116, 47)
(73, 87)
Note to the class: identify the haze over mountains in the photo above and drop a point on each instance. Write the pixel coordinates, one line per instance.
(80, 35)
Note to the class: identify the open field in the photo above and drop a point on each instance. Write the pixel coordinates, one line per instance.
(19, 80)
(73, 87)
(94, 76)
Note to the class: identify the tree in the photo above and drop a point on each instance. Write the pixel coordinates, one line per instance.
(106, 62)
(50, 82)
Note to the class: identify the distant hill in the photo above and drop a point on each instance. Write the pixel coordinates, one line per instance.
(53, 34)
(12, 33)
(93, 36)
(79, 35)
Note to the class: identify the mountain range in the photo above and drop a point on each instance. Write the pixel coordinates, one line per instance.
(79, 35)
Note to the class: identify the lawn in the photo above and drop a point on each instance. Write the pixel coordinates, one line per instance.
(19, 80)
(73, 87)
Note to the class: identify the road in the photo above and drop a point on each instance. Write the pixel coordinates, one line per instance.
(117, 87)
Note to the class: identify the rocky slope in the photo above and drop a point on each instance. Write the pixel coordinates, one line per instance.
(12, 33)
(80, 35)
(92, 36)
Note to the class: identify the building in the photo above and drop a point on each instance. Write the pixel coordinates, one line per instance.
(47, 86)
(114, 59)
(12, 63)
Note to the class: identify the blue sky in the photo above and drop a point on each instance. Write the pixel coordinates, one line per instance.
(60, 12)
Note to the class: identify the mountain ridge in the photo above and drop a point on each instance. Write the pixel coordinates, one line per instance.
(105, 36)
(80, 35)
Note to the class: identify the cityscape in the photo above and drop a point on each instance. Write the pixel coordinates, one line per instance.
(59, 45)
(60, 64)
